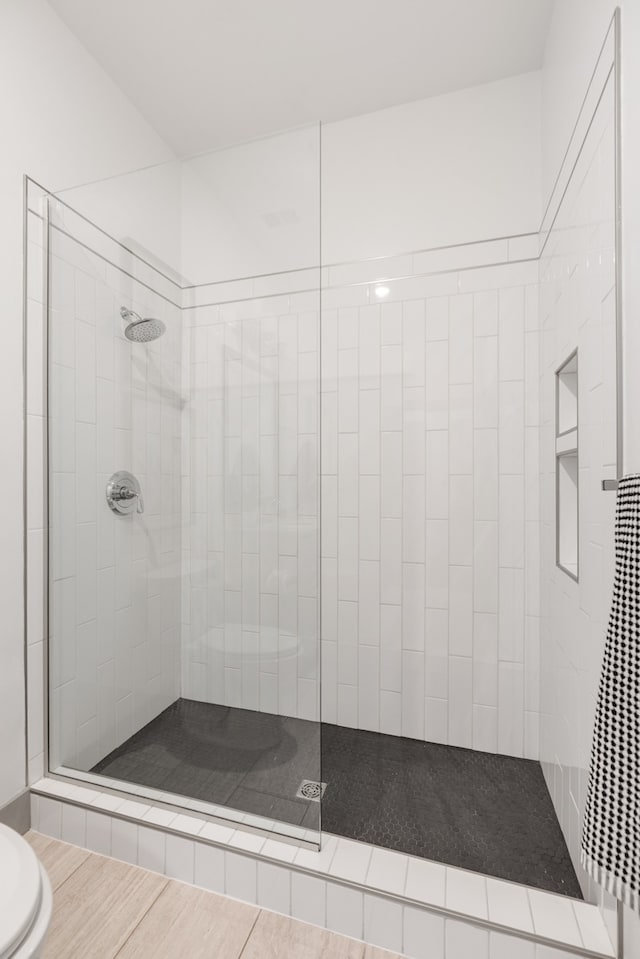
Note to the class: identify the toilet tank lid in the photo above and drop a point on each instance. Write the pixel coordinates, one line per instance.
(20, 889)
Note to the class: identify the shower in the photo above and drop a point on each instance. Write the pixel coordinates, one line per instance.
(141, 329)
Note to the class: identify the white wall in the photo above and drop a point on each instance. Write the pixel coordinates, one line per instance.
(449, 169)
(576, 33)
(252, 208)
(141, 209)
(63, 121)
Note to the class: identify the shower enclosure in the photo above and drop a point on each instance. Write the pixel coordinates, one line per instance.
(239, 439)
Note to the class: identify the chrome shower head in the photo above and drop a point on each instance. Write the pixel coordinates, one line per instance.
(141, 329)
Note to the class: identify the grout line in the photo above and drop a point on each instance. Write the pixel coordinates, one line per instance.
(533, 925)
(577, 922)
(333, 856)
(446, 883)
(485, 885)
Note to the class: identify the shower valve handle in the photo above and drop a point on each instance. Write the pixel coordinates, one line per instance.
(122, 489)
(125, 493)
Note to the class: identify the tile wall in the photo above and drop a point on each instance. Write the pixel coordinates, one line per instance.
(578, 309)
(250, 627)
(429, 414)
(429, 421)
(429, 408)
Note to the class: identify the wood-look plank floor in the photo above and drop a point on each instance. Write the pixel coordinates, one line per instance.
(189, 921)
(58, 858)
(103, 909)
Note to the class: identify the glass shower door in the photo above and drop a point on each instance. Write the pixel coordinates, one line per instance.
(114, 427)
(183, 436)
(251, 643)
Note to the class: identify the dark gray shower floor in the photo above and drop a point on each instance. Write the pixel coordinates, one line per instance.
(250, 761)
(480, 811)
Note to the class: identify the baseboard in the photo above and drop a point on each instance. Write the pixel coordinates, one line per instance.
(17, 813)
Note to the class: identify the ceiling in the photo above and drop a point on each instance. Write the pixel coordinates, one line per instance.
(208, 73)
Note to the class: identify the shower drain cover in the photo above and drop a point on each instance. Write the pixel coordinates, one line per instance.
(308, 789)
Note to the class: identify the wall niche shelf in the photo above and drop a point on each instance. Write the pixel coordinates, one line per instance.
(567, 472)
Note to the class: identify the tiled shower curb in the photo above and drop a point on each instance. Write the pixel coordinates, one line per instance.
(351, 888)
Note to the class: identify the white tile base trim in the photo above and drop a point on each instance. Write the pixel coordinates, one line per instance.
(69, 780)
(339, 888)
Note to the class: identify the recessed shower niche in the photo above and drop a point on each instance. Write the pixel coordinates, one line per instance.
(567, 473)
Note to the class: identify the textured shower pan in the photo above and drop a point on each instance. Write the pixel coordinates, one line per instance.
(480, 811)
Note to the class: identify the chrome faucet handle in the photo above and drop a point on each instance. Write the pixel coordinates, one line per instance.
(124, 494)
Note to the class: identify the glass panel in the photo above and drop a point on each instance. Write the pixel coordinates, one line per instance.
(115, 577)
(184, 492)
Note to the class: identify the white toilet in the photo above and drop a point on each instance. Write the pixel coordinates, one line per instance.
(25, 898)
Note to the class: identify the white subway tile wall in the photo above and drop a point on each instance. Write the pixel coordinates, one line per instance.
(114, 580)
(250, 484)
(577, 305)
(427, 485)
(428, 404)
